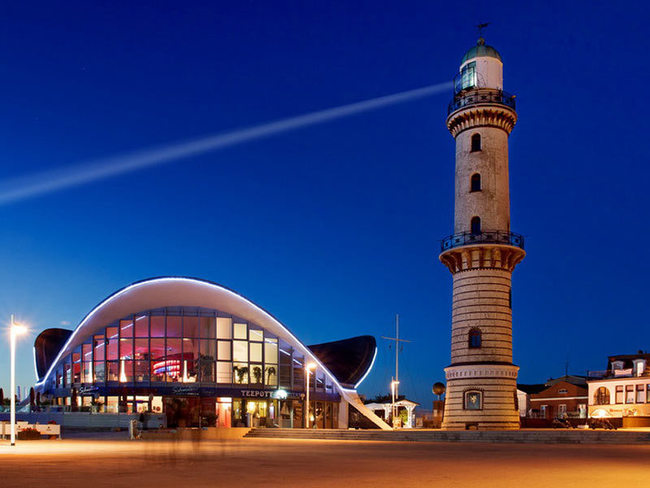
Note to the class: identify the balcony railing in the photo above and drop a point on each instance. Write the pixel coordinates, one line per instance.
(479, 96)
(485, 237)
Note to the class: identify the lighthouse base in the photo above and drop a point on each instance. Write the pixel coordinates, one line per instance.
(481, 396)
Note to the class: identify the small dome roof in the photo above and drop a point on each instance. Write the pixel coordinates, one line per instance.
(481, 50)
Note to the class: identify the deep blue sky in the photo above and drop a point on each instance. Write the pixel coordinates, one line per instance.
(334, 228)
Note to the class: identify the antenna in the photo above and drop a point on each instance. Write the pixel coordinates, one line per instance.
(394, 384)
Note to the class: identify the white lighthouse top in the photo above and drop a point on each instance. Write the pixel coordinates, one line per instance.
(481, 67)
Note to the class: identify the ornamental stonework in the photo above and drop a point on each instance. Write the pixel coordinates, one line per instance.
(474, 116)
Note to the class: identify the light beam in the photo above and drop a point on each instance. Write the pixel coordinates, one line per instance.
(51, 181)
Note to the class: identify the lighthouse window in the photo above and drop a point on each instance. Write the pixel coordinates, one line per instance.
(476, 225)
(473, 400)
(476, 142)
(475, 184)
(474, 338)
(466, 78)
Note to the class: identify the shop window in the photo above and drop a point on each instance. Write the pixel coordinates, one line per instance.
(476, 225)
(476, 142)
(475, 182)
(473, 400)
(474, 338)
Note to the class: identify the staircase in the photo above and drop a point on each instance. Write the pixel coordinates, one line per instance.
(545, 436)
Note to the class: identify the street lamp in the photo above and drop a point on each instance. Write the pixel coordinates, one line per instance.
(393, 388)
(309, 367)
(15, 330)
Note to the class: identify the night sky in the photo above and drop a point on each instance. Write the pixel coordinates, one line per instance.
(334, 228)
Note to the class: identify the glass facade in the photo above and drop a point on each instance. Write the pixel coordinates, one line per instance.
(157, 360)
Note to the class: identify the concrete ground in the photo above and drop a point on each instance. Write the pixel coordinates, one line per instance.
(110, 461)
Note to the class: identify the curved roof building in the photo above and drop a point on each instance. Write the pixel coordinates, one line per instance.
(201, 354)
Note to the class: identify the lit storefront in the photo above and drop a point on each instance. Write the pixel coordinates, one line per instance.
(623, 390)
(202, 355)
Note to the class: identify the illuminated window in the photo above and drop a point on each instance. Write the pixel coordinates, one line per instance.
(224, 372)
(475, 182)
(467, 78)
(255, 352)
(473, 400)
(191, 327)
(240, 350)
(239, 331)
(629, 393)
(256, 374)
(224, 328)
(619, 394)
(223, 350)
(474, 338)
(640, 394)
(476, 225)
(240, 373)
(256, 335)
(142, 326)
(476, 142)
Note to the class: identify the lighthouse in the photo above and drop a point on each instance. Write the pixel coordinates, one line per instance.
(482, 252)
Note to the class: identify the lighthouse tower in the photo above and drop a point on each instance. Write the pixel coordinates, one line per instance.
(482, 252)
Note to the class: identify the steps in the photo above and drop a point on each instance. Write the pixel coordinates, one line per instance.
(546, 436)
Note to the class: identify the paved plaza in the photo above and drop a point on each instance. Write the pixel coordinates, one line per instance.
(112, 462)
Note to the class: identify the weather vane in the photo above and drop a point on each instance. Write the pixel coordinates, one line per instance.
(480, 28)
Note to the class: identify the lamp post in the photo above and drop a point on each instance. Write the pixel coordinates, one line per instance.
(15, 329)
(309, 367)
(393, 389)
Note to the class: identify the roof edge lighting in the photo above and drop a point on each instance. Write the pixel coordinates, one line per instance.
(197, 281)
(372, 363)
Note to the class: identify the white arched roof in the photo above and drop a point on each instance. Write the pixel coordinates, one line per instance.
(179, 291)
